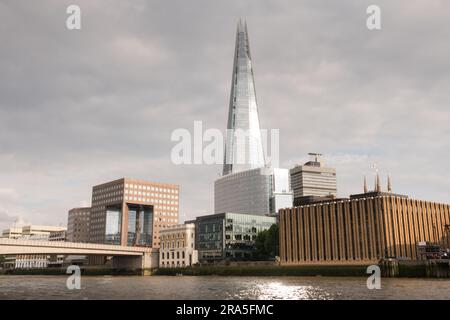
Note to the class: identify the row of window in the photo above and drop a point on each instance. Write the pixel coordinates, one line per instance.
(141, 187)
(172, 202)
(107, 189)
(168, 255)
(101, 195)
(175, 236)
(150, 194)
(167, 220)
(173, 244)
(168, 264)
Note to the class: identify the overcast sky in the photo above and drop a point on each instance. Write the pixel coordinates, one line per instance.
(78, 108)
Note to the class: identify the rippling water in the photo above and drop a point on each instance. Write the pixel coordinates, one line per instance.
(212, 287)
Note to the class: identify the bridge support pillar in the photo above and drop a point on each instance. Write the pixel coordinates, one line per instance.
(136, 264)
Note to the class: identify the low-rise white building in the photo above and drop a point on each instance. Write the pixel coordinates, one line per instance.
(35, 233)
(12, 233)
(177, 248)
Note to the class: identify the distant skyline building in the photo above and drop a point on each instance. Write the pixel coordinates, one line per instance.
(131, 212)
(12, 233)
(78, 224)
(313, 179)
(247, 152)
(35, 233)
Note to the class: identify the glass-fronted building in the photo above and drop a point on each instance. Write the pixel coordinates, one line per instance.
(259, 191)
(229, 236)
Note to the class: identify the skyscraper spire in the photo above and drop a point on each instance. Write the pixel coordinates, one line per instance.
(389, 186)
(243, 146)
(365, 185)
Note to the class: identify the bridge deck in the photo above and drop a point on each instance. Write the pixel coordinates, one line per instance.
(15, 246)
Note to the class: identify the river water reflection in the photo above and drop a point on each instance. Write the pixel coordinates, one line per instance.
(214, 287)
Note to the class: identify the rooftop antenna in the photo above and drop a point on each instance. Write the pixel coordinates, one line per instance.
(315, 155)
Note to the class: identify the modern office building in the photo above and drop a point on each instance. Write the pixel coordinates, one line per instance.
(39, 230)
(12, 233)
(177, 249)
(362, 229)
(258, 191)
(33, 232)
(58, 236)
(78, 224)
(243, 146)
(313, 179)
(229, 236)
(131, 212)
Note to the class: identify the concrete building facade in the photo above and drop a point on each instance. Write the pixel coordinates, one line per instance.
(177, 247)
(12, 233)
(362, 229)
(78, 224)
(313, 179)
(131, 212)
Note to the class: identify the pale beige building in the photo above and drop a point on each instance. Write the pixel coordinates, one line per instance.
(177, 248)
(12, 233)
(35, 233)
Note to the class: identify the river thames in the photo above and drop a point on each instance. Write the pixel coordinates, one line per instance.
(215, 287)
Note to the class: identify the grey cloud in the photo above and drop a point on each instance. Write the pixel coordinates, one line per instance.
(80, 108)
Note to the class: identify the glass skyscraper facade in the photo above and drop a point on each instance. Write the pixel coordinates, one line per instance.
(248, 184)
(243, 148)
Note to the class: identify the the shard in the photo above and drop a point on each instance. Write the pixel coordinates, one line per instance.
(243, 146)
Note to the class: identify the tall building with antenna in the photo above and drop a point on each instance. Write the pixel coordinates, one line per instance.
(313, 180)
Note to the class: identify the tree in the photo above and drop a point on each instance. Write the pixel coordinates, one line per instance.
(2, 260)
(271, 243)
(267, 243)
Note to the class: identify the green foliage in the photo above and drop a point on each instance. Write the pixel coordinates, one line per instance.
(267, 243)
